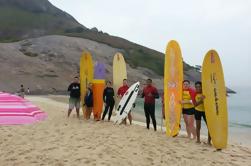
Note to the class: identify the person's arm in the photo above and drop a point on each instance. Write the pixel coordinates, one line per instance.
(199, 102)
(104, 94)
(118, 92)
(69, 88)
(142, 94)
(156, 94)
(113, 93)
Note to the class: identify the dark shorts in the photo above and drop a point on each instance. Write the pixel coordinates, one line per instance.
(189, 111)
(199, 114)
(89, 105)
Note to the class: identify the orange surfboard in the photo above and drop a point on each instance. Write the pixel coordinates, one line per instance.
(98, 89)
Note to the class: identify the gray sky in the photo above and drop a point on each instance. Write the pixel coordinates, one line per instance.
(198, 25)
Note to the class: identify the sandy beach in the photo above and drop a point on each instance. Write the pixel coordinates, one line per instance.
(61, 141)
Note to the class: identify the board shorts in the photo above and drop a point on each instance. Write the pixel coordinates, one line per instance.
(74, 102)
(188, 111)
(199, 114)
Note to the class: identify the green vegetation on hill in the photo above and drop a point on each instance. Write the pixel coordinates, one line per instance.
(23, 19)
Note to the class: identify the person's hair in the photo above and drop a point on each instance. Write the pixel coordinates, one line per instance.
(198, 83)
(150, 80)
(186, 81)
(125, 79)
(22, 85)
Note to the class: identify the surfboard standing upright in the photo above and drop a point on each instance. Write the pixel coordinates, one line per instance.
(119, 74)
(126, 103)
(98, 89)
(215, 102)
(173, 77)
(86, 75)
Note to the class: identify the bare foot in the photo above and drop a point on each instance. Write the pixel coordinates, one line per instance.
(198, 142)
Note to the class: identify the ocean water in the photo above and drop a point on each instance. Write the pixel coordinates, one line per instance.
(239, 116)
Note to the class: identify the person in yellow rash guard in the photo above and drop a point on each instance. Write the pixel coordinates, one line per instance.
(188, 108)
(200, 111)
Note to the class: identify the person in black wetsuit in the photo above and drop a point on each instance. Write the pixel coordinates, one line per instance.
(108, 97)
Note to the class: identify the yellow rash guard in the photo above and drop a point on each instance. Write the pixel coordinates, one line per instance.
(187, 97)
(199, 107)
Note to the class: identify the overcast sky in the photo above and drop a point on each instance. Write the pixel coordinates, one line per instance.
(198, 25)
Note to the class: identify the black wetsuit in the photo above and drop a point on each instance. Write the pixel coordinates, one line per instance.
(108, 97)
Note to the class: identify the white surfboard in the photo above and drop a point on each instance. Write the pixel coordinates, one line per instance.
(126, 103)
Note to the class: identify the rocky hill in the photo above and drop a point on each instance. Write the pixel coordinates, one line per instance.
(41, 46)
(48, 64)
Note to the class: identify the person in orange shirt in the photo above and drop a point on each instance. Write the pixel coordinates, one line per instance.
(200, 111)
(188, 108)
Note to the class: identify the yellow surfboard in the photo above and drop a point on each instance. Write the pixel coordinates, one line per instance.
(86, 75)
(119, 73)
(173, 78)
(215, 103)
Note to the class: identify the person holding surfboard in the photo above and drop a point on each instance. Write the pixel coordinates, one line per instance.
(88, 101)
(74, 101)
(150, 93)
(121, 91)
(200, 111)
(108, 98)
(188, 98)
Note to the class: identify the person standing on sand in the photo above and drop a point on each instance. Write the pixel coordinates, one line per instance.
(21, 92)
(88, 101)
(200, 111)
(188, 108)
(121, 91)
(149, 94)
(108, 98)
(74, 101)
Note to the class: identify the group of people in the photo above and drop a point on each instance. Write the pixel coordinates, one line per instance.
(193, 108)
(192, 104)
(149, 94)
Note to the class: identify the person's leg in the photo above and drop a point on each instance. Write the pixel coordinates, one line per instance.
(208, 135)
(198, 127)
(71, 106)
(185, 116)
(105, 111)
(77, 105)
(146, 109)
(152, 114)
(69, 112)
(87, 113)
(110, 110)
(130, 117)
(198, 124)
(191, 125)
